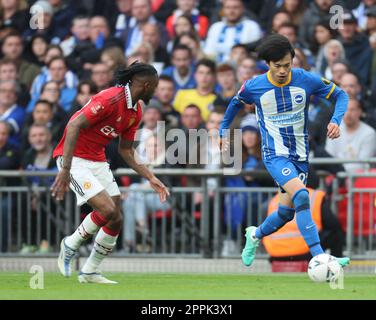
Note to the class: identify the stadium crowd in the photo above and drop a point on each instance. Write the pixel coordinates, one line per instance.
(57, 54)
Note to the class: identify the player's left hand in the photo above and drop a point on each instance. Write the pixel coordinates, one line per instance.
(333, 131)
(160, 188)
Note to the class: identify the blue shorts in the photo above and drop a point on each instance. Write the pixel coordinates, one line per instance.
(283, 170)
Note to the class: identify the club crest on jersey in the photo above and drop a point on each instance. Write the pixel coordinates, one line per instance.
(298, 99)
(87, 185)
(325, 81)
(286, 171)
(96, 109)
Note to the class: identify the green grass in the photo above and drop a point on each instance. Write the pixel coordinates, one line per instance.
(153, 286)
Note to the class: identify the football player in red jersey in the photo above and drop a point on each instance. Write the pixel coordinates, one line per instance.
(83, 167)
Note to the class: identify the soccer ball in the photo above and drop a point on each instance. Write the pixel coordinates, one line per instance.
(324, 267)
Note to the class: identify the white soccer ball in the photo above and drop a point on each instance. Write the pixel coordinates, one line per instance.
(324, 267)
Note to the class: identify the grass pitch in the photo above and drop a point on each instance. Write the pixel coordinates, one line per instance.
(161, 286)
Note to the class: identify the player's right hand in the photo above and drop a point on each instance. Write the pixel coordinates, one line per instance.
(61, 185)
(160, 188)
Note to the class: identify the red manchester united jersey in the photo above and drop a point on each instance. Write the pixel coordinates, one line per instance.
(111, 113)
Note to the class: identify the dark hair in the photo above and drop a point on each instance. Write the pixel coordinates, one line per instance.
(181, 47)
(207, 63)
(92, 86)
(55, 59)
(288, 25)
(125, 76)
(240, 45)
(164, 77)
(43, 101)
(275, 48)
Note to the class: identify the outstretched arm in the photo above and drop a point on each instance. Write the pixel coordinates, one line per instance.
(129, 155)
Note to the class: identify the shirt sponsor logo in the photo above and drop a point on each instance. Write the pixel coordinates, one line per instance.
(286, 119)
(108, 130)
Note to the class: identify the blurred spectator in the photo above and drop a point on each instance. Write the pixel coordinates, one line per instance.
(9, 160)
(14, 13)
(9, 154)
(357, 47)
(62, 19)
(234, 29)
(145, 53)
(357, 140)
(57, 71)
(246, 70)
(39, 155)
(141, 15)
(164, 94)
(189, 8)
(101, 75)
(80, 32)
(151, 35)
(139, 204)
(300, 60)
(350, 84)
(361, 12)
(193, 42)
(279, 19)
(317, 10)
(183, 24)
(371, 31)
(8, 72)
(203, 96)
(42, 15)
(114, 58)
(119, 18)
(10, 111)
(333, 52)
(37, 50)
(87, 53)
(12, 48)
(323, 33)
(52, 18)
(43, 114)
(151, 114)
(226, 78)
(39, 158)
(296, 9)
(238, 53)
(181, 70)
(85, 90)
(290, 31)
(338, 69)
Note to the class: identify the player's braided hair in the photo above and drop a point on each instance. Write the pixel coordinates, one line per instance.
(125, 76)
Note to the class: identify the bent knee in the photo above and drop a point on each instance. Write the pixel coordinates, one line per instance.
(301, 200)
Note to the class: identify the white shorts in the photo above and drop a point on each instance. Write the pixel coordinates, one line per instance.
(88, 178)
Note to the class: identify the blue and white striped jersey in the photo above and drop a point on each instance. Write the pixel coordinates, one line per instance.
(282, 110)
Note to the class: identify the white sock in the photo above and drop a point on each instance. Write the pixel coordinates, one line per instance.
(84, 231)
(103, 245)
